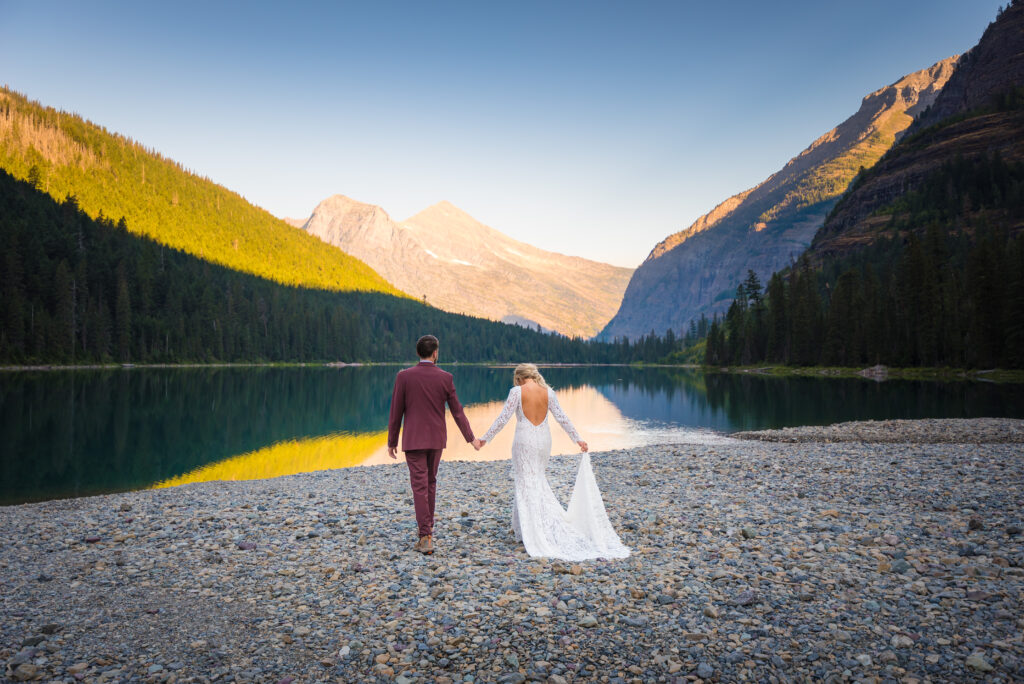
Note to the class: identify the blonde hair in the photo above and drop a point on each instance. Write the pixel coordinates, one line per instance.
(528, 371)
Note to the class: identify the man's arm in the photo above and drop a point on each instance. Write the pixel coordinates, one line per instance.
(457, 413)
(397, 411)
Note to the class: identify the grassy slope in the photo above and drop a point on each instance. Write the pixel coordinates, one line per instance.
(826, 182)
(115, 176)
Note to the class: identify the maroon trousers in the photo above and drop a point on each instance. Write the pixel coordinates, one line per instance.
(423, 477)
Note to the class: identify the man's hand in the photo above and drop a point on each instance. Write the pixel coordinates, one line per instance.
(393, 452)
(583, 446)
(478, 443)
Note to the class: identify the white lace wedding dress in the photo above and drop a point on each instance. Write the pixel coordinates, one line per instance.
(546, 529)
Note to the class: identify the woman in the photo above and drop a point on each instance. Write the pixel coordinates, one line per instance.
(538, 519)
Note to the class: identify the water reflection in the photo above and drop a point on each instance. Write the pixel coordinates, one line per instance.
(287, 458)
(598, 420)
(74, 433)
(77, 433)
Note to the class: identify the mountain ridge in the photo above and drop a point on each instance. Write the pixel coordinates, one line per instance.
(695, 271)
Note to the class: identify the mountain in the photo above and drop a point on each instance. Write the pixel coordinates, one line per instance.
(456, 263)
(111, 175)
(695, 271)
(921, 263)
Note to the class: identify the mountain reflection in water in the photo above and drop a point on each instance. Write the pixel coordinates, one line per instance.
(600, 423)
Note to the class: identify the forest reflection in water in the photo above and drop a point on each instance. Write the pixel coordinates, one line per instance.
(286, 458)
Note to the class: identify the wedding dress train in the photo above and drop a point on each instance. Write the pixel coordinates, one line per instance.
(546, 529)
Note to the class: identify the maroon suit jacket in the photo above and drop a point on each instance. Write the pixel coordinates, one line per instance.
(419, 396)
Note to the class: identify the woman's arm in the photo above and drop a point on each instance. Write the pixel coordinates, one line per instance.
(506, 413)
(563, 420)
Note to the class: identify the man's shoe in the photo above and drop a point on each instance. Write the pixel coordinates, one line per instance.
(424, 546)
(429, 547)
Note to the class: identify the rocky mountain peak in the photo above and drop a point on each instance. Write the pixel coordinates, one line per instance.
(447, 217)
(344, 205)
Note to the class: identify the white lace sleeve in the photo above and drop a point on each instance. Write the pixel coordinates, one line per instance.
(507, 411)
(559, 414)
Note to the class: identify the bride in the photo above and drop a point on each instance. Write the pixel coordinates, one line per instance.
(546, 529)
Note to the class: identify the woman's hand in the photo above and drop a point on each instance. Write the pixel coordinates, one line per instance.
(583, 446)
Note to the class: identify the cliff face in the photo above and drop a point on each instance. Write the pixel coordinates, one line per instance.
(696, 271)
(989, 69)
(994, 67)
(460, 265)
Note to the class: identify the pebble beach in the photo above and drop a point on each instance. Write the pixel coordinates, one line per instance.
(813, 558)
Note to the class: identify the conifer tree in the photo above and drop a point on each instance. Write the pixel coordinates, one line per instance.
(123, 318)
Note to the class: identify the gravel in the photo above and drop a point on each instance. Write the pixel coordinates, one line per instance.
(752, 560)
(929, 431)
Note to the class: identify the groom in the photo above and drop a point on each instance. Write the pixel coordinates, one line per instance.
(419, 396)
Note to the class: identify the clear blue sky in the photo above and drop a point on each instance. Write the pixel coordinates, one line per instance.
(588, 128)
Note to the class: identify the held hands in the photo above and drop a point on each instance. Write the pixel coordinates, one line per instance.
(478, 444)
(583, 446)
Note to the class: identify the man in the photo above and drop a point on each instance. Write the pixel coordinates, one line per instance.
(419, 396)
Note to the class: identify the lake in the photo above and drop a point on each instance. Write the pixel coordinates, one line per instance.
(83, 432)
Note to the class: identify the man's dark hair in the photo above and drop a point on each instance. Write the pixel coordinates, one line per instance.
(426, 346)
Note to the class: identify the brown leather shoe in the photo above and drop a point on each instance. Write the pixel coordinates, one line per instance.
(429, 548)
(424, 546)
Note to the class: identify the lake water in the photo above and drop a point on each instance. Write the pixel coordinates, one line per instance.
(77, 433)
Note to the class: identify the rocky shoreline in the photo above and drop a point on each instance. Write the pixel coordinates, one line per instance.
(927, 431)
(752, 560)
